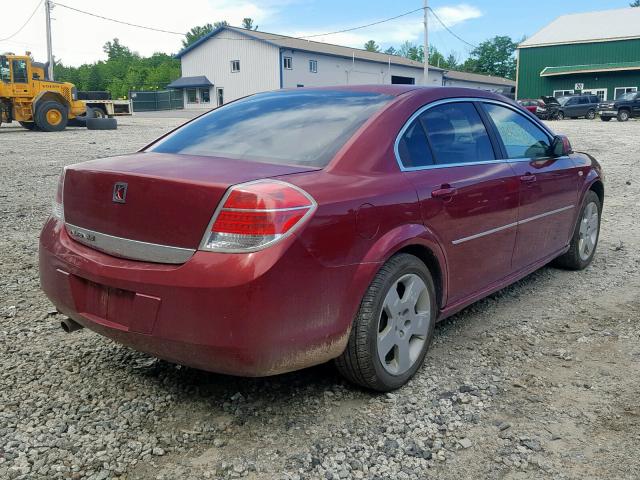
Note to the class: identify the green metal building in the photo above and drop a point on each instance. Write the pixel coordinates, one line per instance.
(595, 52)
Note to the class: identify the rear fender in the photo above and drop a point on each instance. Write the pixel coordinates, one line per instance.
(399, 238)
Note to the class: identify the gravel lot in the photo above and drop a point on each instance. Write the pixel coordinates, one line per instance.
(538, 381)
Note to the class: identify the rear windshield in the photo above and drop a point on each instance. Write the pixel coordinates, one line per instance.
(297, 127)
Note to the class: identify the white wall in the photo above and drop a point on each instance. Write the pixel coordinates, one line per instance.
(343, 71)
(259, 66)
(480, 85)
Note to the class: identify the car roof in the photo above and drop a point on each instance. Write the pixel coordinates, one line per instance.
(398, 90)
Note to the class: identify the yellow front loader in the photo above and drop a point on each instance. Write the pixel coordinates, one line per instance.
(28, 97)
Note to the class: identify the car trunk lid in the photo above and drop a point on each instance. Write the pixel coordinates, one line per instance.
(157, 198)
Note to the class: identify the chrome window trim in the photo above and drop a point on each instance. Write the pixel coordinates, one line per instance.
(510, 225)
(424, 108)
(127, 248)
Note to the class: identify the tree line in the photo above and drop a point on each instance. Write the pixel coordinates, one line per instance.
(495, 56)
(125, 70)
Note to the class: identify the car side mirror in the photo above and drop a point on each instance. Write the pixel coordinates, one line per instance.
(561, 146)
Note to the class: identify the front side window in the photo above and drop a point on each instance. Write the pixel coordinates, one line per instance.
(520, 136)
(296, 127)
(204, 95)
(5, 71)
(313, 66)
(287, 63)
(192, 95)
(20, 71)
(457, 134)
(235, 66)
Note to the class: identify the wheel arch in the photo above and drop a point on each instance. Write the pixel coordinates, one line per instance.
(45, 97)
(426, 256)
(417, 240)
(598, 187)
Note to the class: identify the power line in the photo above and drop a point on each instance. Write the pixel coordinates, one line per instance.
(24, 24)
(449, 30)
(364, 26)
(117, 21)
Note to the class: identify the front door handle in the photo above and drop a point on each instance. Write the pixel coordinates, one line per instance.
(444, 192)
(528, 178)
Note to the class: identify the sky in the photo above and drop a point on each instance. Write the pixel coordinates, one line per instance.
(78, 38)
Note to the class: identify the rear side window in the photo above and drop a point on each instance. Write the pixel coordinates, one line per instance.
(457, 134)
(520, 136)
(413, 148)
(299, 127)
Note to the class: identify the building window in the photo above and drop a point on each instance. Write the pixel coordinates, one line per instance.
(192, 95)
(619, 91)
(235, 66)
(220, 95)
(287, 63)
(562, 93)
(313, 66)
(601, 93)
(204, 95)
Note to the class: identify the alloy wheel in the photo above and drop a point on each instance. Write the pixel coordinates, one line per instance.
(588, 234)
(404, 323)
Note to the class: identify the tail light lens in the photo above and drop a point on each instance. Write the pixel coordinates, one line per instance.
(255, 215)
(57, 209)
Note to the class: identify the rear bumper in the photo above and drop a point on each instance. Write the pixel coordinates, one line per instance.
(244, 314)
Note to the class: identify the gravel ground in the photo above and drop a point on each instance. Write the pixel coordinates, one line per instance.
(539, 380)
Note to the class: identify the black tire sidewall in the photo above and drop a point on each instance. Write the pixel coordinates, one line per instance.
(589, 197)
(41, 117)
(406, 264)
(101, 124)
(623, 116)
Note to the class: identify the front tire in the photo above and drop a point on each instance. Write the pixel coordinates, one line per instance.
(51, 117)
(585, 235)
(393, 328)
(623, 116)
(560, 115)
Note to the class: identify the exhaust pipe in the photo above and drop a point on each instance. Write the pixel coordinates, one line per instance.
(69, 325)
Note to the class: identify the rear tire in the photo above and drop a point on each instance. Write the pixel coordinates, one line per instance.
(397, 314)
(102, 123)
(51, 117)
(98, 112)
(585, 235)
(591, 114)
(623, 116)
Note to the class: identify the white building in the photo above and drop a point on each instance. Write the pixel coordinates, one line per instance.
(231, 62)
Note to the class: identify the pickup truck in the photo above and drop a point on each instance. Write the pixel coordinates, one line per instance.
(623, 108)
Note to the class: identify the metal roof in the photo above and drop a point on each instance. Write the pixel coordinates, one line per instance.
(598, 67)
(478, 78)
(292, 43)
(602, 26)
(190, 82)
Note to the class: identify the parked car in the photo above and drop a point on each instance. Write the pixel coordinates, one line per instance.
(623, 108)
(530, 104)
(578, 106)
(294, 227)
(549, 108)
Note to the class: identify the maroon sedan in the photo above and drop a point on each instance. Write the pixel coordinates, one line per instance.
(294, 227)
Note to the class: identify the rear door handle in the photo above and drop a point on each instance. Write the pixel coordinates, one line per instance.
(444, 192)
(528, 178)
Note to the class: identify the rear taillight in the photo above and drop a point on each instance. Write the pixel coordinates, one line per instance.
(57, 209)
(255, 215)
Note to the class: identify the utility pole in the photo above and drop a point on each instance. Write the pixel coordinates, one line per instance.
(47, 11)
(426, 43)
